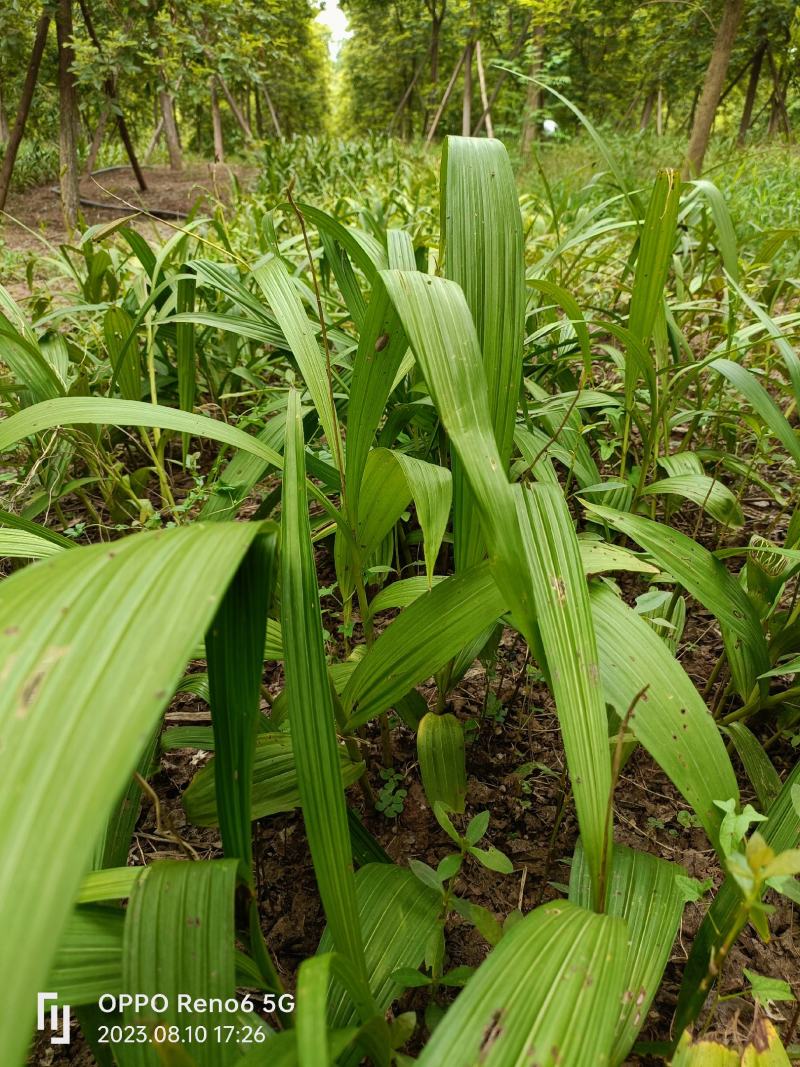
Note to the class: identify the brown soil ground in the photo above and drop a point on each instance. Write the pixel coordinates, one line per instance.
(33, 219)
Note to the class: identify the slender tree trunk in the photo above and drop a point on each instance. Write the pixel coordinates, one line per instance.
(170, 129)
(110, 90)
(216, 121)
(520, 42)
(23, 108)
(154, 140)
(4, 131)
(67, 141)
(466, 106)
(97, 139)
(779, 115)
(273, 114)
(259, 115)
(712, 86)
(487, 111)
(647, 111)
(750, 95)
(443, 103)
(533, 97)
(660, 113)
(405, 98)
(237, 111)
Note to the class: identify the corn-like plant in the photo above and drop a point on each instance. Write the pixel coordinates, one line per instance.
(430, 408)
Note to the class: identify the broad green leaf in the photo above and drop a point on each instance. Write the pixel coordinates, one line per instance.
(185, 348)
(96, 411)
(390, 480)
(711, 495)
(276, 283)
(403, 593)
(702, 575)
(25, 545)
(274, 779)
(88, 960)
(598, 557)
(17, 522)
(746, 383)
(558, 965)
(311, 713)
(63, 623)
(656, 242)
(440, 749)
(397, 915)
(179, 939)
(670, 719)
(421, 640)
(382, 345)
(235, 654)
(642, 890)
(117, 330)
(113, 883)
(549, 594)
(760, 771)
(482, 246)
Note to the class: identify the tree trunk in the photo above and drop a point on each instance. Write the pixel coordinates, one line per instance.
(237, 111)
(712, 86)
(170, 129)
(4, 131)
(647, 111)
(154, 139)
(67, 142)
(533, 97)
(750, 95)
(660, 113)
(97, 139)
(110, 90)
(216, 121)
(466, 106)
(487, 111)
(445, 98)
(502, 76)
(24, 107)
(273, 114)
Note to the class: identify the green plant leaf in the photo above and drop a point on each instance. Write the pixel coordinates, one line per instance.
(440, 749)
(311, 713)
(702, 575)
(78, 643)
(643, 891)
(509, 1009)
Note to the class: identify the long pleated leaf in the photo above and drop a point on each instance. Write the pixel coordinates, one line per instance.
(94, 642)
(277, 285)
(235, 655)
(482, 243)
(179, 939)
(311, 712)
(551, 584)
(397, 915)
(548, 994)
(702, 575)
(643, 891)
(421, 640)
(670, 720)
(274, 782)
(746, 383)
(97, 411)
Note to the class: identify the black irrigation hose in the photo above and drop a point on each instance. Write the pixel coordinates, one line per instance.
(123, 209)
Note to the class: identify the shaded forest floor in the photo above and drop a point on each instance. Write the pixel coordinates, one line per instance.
(33, 218)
